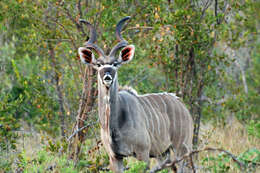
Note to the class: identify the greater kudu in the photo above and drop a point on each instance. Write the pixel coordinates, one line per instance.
(134, 125)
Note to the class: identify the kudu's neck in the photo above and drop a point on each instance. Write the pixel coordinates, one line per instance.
(107, 103)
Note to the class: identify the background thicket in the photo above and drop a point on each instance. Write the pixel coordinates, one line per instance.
(206, 51)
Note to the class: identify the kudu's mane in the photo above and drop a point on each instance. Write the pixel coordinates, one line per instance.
(133, 92)
(128, 89)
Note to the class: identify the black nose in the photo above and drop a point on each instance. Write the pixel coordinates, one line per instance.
(108, 78)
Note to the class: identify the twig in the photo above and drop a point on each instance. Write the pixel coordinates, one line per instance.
(136, 77)
(72, 19)
(66, 31)
(142, 79)
(216, 12)
(192, 165)
(207, 5)
(79, 8)
(224, 11)
(58, 40)
(140, 27)
(82, 128)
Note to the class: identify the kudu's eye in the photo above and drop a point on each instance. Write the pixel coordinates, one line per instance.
(115, 64)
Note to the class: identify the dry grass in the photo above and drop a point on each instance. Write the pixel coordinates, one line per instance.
(233, 137)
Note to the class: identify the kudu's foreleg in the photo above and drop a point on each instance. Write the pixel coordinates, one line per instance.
(144, 156)
(116, 164)
(183, 165)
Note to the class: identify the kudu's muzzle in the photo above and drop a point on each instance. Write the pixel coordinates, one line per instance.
(107, 79)
(107, 75)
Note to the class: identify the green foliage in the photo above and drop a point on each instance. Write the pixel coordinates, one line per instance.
(45, 161)
(136, 167)
(25, 96)
(253, 128)
(9, 101)
(251, 159)
(55, 146)
(224, 163)
(6, 160)
(221, 163)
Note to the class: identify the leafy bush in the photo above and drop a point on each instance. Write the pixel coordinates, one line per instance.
(251, 159)
(136, 167)
(253, 128)
(45, 161)
(224, 163)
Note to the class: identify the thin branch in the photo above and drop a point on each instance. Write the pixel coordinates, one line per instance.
(135, 14)
(192, 164)
(216, 11)
(80, 15)
(72, 42)
(136, 77)
(225, 9)
(82, 128)
(140, 27)
(188, 155)
(79, 9)
(72, 19)
(58, 40)
(207, 5)
(66, 31)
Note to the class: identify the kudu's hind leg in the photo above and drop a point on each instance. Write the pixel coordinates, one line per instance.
(183, 165)
(116, 165)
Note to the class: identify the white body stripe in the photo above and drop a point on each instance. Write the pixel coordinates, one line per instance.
(149, 113)
(155, 114)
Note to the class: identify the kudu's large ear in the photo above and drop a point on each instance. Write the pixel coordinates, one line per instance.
(86, 55)
(126, 54)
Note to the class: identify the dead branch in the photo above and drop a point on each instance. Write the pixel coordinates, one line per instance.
(79, 9)
(133, 80)
(207, 5)
(66, 31)
(140, 27)
(216, 12)
(82, 128)
(189, 155)
(66, 11)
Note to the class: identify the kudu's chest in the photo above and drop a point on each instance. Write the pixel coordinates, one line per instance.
(114, 120)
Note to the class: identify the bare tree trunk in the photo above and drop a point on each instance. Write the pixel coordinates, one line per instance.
(85, 107)
(197, 119)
